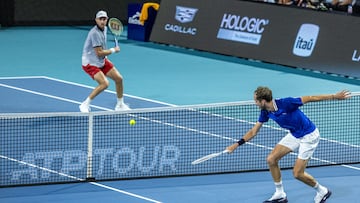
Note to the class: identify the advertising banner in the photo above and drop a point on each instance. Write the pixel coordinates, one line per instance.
(295, 37)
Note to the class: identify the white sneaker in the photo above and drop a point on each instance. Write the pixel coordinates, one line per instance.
(121, 107)
(279, 197)
(322, 197)
(84, 108)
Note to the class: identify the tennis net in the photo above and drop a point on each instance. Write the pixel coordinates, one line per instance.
(42, 148)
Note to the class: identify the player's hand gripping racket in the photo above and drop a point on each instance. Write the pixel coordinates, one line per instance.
(207, 157)
(116, 28)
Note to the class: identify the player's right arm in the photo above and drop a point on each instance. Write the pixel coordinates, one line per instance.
(100, 52)
(248, 136)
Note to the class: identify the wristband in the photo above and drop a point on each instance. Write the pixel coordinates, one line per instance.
(241, 141)
(112, 50)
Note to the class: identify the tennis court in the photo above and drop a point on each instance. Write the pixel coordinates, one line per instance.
(174, 135)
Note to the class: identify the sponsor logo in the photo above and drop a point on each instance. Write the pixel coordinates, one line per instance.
(305, 40)
(135, 19)
(243, 29)
(183, 15)
(356, 56)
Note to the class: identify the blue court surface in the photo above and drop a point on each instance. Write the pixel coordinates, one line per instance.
(44, 94)
(47, 77)
(240, 187)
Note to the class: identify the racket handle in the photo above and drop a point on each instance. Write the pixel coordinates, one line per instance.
(116, 41)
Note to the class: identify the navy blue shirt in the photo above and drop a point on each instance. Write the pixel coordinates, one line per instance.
(288, 115)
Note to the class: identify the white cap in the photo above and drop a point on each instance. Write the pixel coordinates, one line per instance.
(101, 14)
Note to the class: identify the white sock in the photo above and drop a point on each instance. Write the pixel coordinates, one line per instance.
(279, 187)
(87, 101)
(120, 100)
(319, 188)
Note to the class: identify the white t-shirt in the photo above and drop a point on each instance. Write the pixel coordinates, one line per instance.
(95, 38)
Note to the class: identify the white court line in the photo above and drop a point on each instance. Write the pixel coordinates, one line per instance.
(351, 167)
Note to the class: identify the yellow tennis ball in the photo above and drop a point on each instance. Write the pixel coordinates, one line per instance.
(132, 122)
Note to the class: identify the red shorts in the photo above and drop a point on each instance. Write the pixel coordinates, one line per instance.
(92, 70)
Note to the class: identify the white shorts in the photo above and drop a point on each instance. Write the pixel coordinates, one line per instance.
(305, 145)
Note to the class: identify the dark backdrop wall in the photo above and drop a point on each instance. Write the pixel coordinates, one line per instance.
(60, 12)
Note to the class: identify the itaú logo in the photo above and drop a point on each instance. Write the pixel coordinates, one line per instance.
(305, 40)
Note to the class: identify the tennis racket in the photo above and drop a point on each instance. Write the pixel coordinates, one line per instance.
(116, 28)
(207, 157)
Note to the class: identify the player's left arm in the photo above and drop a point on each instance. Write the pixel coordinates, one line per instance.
(344, 94)
(248, 136)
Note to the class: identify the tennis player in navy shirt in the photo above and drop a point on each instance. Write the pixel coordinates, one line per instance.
(303, 137)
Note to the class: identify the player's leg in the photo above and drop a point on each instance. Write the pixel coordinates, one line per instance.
(96, 74)
(118, 79)
(103, 83)
(115, 75)
(307, 147)
(273, 161)
(300, 174)
(322, 193)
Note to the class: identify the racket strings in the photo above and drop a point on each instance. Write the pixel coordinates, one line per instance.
(115, 26)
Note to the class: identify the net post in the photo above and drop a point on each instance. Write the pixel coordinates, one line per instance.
(89, 175)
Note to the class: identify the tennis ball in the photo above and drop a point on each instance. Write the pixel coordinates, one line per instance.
(132, 122)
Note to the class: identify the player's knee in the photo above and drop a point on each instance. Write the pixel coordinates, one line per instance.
(104, 84)
(118, 79)
(271, 160)
(298, 174)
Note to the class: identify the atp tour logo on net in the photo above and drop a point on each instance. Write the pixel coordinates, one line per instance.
(183, 15)
(305, 40)
(243, 29)
(122, 161)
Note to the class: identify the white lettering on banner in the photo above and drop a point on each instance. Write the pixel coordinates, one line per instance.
(356, 57)
(242, 28)
(234, 22)
(301, 43)
(180, 29)
(305, 40)
(70, 161)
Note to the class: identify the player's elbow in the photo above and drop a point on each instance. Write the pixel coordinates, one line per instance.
(99, 53)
